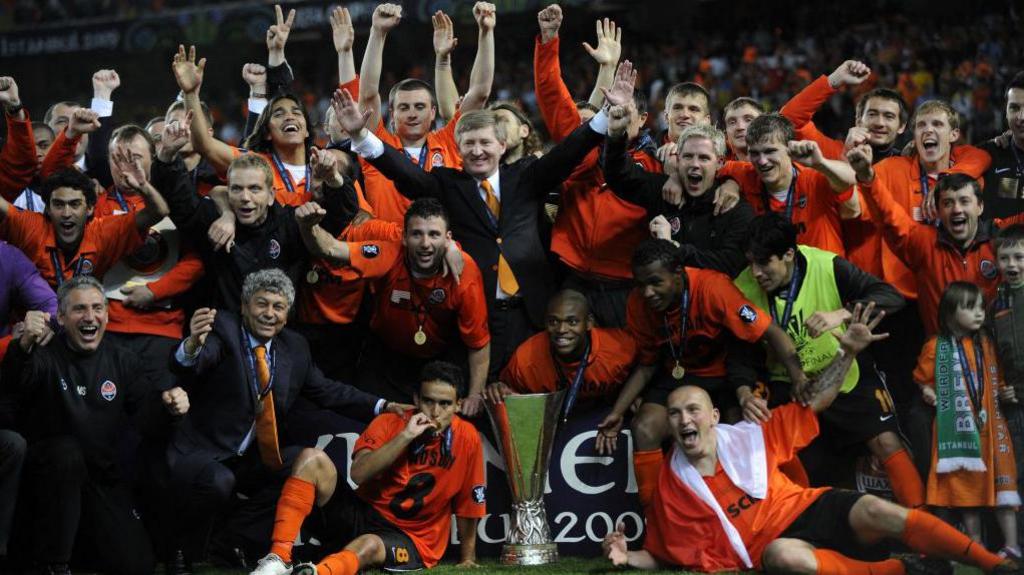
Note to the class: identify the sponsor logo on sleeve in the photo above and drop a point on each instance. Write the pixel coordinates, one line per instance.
(748, 313)
(479, 493)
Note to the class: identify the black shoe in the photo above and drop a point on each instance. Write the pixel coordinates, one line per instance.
(177, 565)
(918, 565)
(54, 569)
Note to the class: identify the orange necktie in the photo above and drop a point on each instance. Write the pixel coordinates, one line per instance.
(506, 279)
(266, 423)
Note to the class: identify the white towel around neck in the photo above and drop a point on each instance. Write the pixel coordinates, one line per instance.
(742, 454)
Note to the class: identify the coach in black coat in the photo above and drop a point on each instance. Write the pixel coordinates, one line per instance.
(521, 188)
(214, 449)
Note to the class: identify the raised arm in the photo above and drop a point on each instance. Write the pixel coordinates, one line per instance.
(343, 35)
(409, 179)
(481, 77)
(62, 153)
(839, 174)
(609, 48)
(170, 176)
(135, 177)
(896, 223)
(555, 166)
(444, 82)
(626, 179)
(18, 157)
(822, 391)
(555, 103)
(189, 76)
(385, 18)
(97, 162)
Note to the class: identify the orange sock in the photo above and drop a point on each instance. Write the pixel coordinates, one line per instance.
(295, 503)
(794, 470)
(906, 482)
(342, 563)
(928, 534)
(833, 563)
(647, 464)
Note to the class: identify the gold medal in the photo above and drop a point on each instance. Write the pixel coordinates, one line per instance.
(312, 277)
(420, 338)
(678, 372)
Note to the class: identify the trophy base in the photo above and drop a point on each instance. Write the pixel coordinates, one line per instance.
(537, 554)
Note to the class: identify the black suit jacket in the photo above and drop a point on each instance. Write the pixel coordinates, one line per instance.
(523, 188)
(223, 401)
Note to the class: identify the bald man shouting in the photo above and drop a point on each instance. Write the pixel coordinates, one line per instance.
(722, 486)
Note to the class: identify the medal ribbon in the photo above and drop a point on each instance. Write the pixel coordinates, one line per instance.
(790, 298)
(766, 198)
(975, 388)
(59, 269)
(577, 380)
(684, 313)
(286, 176)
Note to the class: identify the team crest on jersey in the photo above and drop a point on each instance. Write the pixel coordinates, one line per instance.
(86, 266)
(437, 296)
(108, 390)
(479, 494)
(802, 202)
(371, 251)
(988, 269)
(675, 224)
(748, 314)
(437, 160)
(275, 250)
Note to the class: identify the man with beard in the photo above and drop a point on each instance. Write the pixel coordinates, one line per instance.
(706, 238)
(590, 362)
(76, 391)
(1004, 181)
(421, 310)
(66, 240)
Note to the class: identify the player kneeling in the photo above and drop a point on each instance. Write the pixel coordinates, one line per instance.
(413, 472)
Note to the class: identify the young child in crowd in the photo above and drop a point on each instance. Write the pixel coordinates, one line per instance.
(1006, 319)
(972, 457)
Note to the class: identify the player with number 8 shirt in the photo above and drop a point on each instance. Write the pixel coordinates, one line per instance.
(414, 470)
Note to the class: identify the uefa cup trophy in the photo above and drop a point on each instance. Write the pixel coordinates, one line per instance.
(525, 427)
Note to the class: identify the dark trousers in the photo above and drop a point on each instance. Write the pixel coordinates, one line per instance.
(155, 352)
(76, 514)
(510, 326)
(335, 347)
(205, 491)
(1015, 421)
(12, 457)
(607, 297)
(395, 377)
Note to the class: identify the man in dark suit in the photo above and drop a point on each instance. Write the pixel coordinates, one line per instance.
(493, 208)
(243, 374)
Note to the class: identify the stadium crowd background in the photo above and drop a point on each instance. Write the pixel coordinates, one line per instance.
(766, 50)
